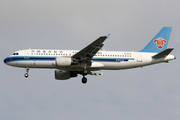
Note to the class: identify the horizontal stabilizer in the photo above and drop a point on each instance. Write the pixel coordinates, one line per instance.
(163, 53)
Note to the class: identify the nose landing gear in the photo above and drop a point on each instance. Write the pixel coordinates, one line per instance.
(26, 74)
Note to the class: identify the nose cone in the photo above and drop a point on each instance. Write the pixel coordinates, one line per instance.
(10, 61)
(5, 60)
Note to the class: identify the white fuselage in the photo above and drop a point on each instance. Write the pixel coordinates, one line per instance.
(103, 60)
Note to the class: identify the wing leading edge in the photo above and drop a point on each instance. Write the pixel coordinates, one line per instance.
(85, 55)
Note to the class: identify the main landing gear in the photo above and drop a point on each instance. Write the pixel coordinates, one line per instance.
(84, 79)
(26, 74)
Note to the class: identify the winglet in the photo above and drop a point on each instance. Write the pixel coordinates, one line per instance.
(108, 35)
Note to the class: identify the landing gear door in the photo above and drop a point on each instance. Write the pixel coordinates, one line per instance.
(139, 57)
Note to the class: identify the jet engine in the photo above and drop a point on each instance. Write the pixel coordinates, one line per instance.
(66, 61)
(63, 61)
(63, 75)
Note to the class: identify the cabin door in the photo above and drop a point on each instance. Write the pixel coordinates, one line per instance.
(26, 54)
(139, 57)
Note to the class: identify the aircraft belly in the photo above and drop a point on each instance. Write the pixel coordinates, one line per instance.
(36, 64)
(117, 66)
(44, 64)
(79, 68)
(14, 64)
(125, 65)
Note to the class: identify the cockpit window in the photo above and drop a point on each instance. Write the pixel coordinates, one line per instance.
(15, 53)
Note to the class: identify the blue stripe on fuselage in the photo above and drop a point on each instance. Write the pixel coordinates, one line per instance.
(45, 58)
(111, 59)
(28, 58)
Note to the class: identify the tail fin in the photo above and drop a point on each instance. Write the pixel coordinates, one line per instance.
(159, 42)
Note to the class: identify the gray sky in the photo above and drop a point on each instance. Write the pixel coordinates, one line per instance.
(149, 93)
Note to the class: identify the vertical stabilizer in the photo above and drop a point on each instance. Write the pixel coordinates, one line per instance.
(159, 42)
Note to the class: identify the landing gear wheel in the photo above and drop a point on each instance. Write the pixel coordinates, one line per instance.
(84, 80)
(26, 75)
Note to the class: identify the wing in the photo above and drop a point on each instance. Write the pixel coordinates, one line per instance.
(85, 55)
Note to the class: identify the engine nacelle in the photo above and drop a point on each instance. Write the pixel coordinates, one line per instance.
(64, 75)
(63, 61)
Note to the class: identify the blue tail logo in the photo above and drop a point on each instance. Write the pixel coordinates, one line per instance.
(159, 42)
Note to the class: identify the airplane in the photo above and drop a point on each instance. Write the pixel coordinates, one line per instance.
(70, 63)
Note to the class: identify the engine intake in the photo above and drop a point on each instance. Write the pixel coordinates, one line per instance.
(64, 75)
